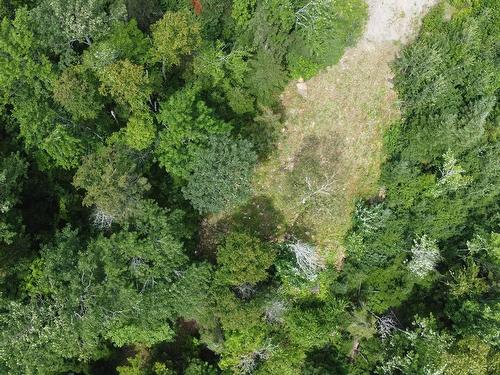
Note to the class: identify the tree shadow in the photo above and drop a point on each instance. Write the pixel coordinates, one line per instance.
(258, 217)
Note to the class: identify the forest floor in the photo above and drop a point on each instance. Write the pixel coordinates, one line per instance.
(331, 147)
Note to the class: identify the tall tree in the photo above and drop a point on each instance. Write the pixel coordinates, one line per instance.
(112, 183)
(125, 82)
(221, 175)
(60, 24)
(188, 123)
(243, 260)
(175, 35)
(126, 288)
(76, 91)
(12, 173)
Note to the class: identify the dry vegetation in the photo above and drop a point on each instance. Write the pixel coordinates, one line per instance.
(331, 148)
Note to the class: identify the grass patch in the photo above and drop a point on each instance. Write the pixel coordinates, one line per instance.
(330, 151)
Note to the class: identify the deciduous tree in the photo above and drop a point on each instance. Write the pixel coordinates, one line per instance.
(111, 181)
(12, 174)
(76, 91)
(62, 23)
(125, 82)
(424, 256)
(175, 35)
(188, 124)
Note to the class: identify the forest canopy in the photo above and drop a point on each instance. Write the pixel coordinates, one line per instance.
(127, 127)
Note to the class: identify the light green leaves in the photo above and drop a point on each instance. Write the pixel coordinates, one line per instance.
(243, 260)
(175, 35)
(188, 123)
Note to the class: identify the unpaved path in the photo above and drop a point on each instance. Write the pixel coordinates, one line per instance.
(394, 20)
(331, 150)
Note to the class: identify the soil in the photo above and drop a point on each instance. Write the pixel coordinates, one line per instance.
(394, 20)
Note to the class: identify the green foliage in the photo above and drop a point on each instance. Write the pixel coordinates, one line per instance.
(362, 325)
(197, 367)
(301, 67)
(135, 366)
(46, 337)
(25, 80)
(472, 285)
(124, 42)
(221, 175)
(243, 350)
(452, 176)
(111, 182)
(16, 46)
(467, 281)
(140, 131)
(266, 78)
(12, 173)
(125, 82)
(418, 351)
(447, 106)
(314, 326)
(77, 92)
(188, 124)
(158, 111)
(272, 22)
(175, 35)
(434, 191)
(64, 149)
(81, 294)
(324, 28)
(242, 12)
(243, 260)
(471, 356)
(61, 23)
(215, 69)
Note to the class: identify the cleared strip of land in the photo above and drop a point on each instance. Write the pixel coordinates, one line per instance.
(331, 150)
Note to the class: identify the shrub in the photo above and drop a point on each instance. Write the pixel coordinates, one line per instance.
(244, 260)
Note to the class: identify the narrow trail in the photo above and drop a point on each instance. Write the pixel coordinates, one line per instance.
(332, 138)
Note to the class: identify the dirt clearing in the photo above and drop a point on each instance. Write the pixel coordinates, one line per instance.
(394, 20)
(331, 149)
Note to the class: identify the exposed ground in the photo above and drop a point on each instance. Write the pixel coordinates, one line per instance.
(331, 147)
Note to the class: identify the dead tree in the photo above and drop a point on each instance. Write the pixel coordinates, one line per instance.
(314, 188)
(307, 17)
(425, 256)
(249, 362)
(245, 291)
(386, 325)
(274, 312)
(101, 219)
(309, 261)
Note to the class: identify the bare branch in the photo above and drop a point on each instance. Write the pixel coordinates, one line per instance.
(309, 261)
(102, 220)
(249, 362)
(274, 312)
(386, 325)
(425, 256)
(323, 188)
(245, 291)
